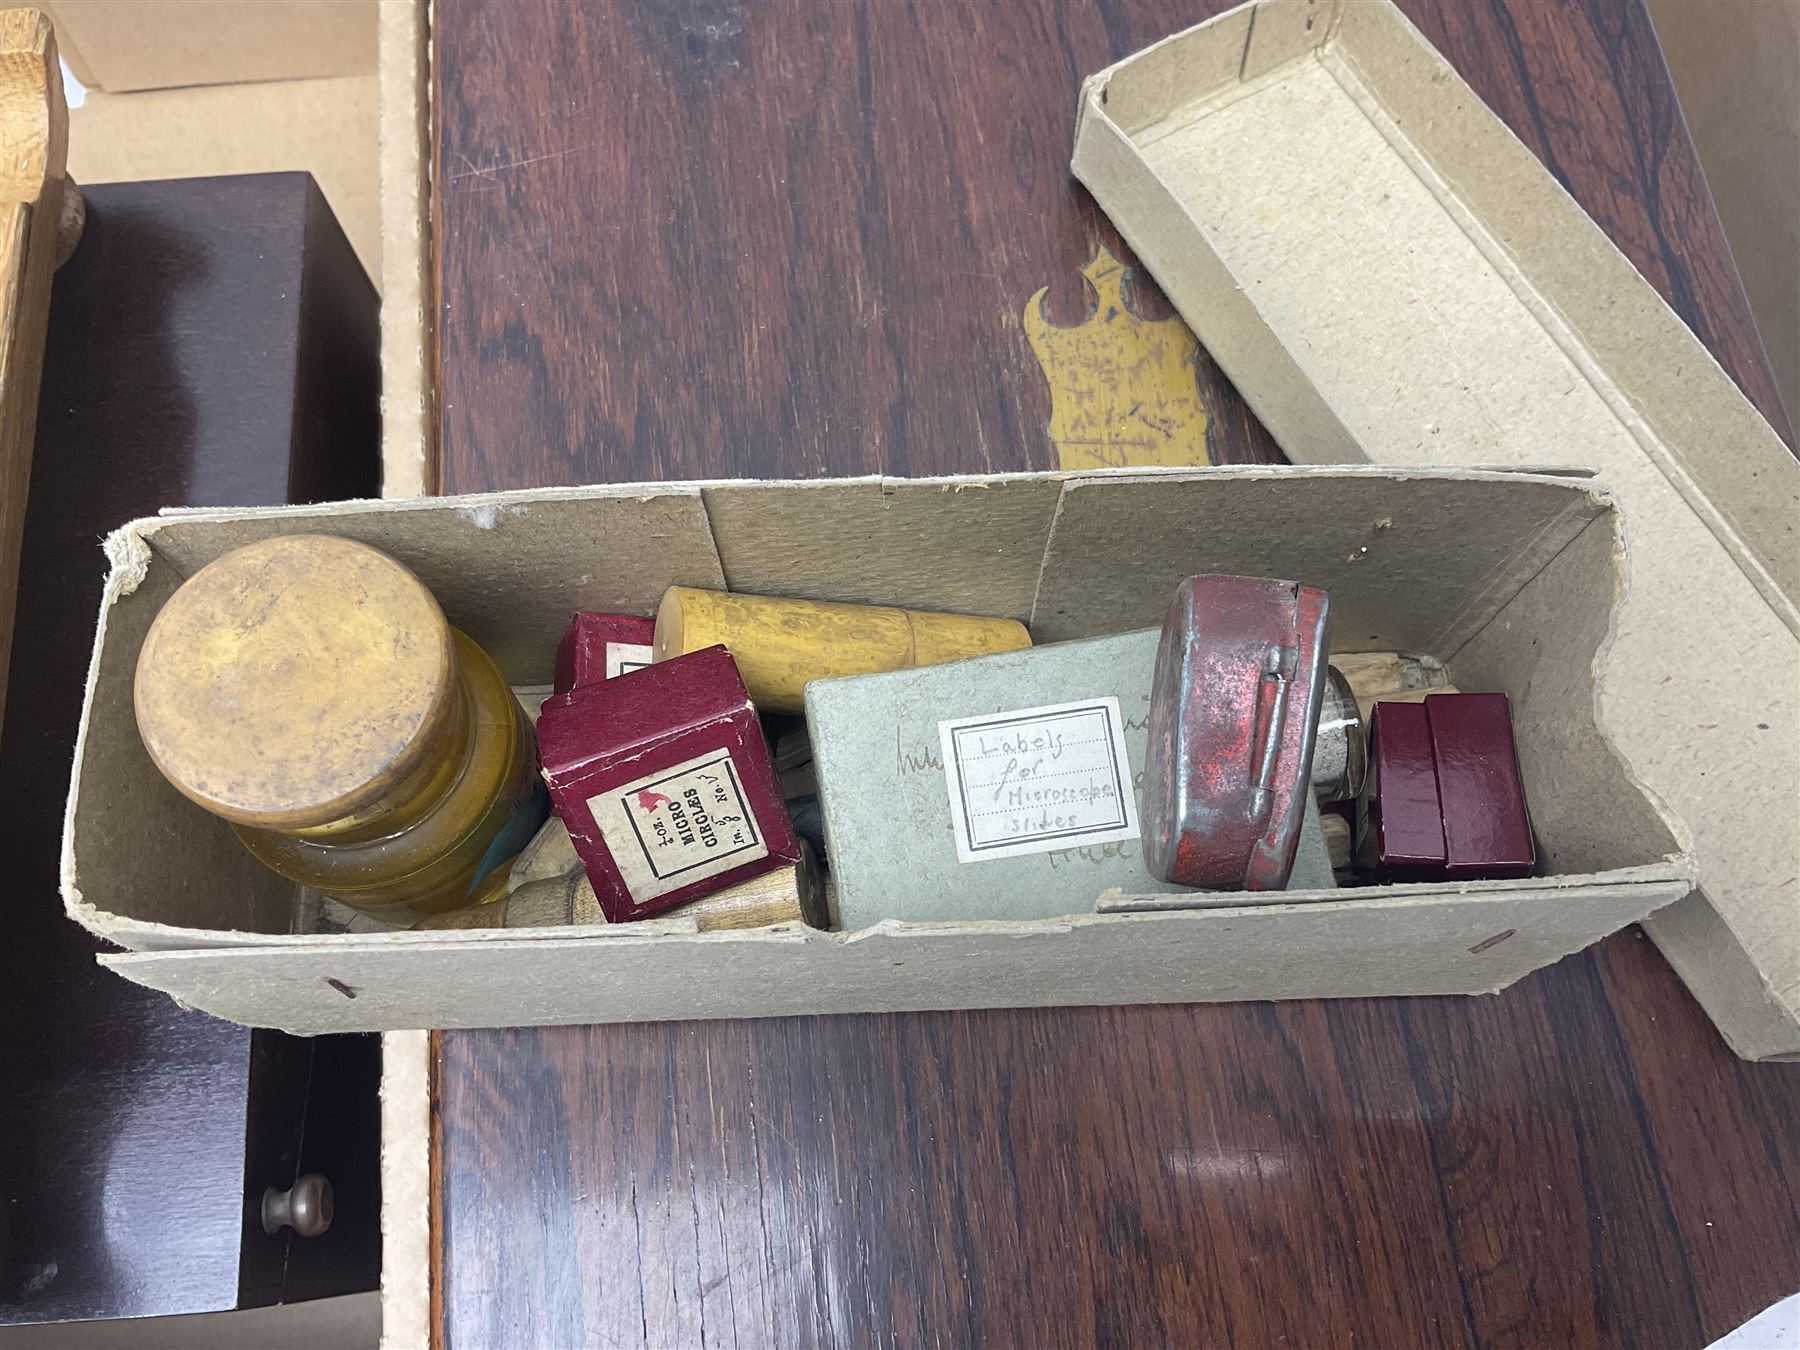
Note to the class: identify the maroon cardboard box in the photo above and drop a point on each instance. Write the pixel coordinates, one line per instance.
(666, 784)
(597, 647)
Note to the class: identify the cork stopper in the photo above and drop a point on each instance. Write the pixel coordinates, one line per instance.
(295, 681)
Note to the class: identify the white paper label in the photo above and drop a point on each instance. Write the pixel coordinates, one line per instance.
(1038, 779)
(678, 825)
(625, 656)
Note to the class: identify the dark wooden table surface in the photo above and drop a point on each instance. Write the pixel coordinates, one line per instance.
(692, 239)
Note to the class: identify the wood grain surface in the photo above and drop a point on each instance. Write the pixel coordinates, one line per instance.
(695, 238)
(1576, 1162)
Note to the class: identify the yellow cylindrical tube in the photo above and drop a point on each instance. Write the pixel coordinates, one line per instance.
(782, 644)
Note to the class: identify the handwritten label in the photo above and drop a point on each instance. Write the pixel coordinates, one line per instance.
(625, 656)
(1038, 780)
(678, 825)
(924, 760)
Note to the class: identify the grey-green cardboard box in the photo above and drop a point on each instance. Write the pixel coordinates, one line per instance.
(891, 809)
(1511, 578)
(1388, 274)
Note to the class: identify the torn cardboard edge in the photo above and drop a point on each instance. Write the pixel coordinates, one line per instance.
(1267, 166)
(1115, 902)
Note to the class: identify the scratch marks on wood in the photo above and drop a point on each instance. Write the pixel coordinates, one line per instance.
(489, 174)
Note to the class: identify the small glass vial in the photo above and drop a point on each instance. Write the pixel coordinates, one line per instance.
(308, 690)
(1340, 750)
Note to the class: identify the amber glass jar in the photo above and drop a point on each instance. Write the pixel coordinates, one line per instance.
(308, 690)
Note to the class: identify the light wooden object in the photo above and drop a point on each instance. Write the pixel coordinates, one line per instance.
(1337, 839)
(1391, 677)
(34, 124)
(547, 888)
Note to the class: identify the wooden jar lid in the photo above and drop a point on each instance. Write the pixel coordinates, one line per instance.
(295, 681)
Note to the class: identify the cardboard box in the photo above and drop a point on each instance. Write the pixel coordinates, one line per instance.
(325, 127)
(1510, 578)
(905, 843)
(123, 45)
(408, 401)
(198, 88)
(409, 458)
(1387, 273)
(409, 468)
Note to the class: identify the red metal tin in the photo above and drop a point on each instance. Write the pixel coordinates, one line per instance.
(665, 782)
(1240, 676)
(597, 647)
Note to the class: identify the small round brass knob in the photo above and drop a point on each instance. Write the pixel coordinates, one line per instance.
(306, 1207)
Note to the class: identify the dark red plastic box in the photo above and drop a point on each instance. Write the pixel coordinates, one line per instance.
(1447, 801)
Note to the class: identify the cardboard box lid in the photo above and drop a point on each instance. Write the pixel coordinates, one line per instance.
(1387, 273)
(121, 45)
